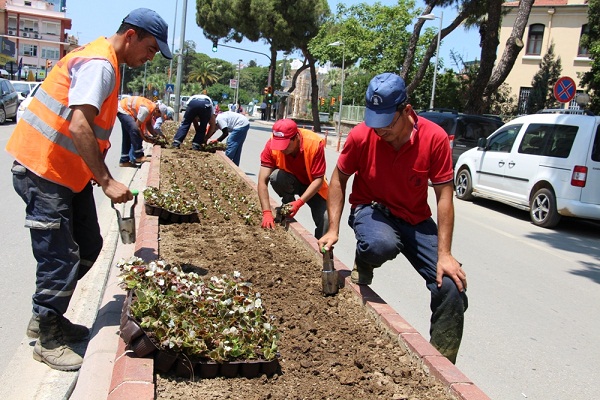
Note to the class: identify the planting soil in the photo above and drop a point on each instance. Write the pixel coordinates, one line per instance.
(330, 347)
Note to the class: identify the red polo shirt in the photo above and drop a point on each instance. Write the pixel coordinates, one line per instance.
(397, 179)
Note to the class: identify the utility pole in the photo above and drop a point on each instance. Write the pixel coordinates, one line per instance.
(180, 63)
(172, 52)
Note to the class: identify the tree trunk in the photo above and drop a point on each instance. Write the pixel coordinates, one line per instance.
(480, 92)
(314, 93)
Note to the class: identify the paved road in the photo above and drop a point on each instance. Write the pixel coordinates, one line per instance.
(532, 324)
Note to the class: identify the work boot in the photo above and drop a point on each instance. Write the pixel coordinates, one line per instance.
(71, 332)
(52, 349)
(362, 274)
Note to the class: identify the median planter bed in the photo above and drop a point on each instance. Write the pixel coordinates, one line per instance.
(329, 347)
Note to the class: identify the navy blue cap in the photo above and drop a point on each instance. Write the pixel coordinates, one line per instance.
(150, 21)
(385, 92)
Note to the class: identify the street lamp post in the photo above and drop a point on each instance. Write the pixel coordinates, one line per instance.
(339, 127)
(431, 17)
(237, 83)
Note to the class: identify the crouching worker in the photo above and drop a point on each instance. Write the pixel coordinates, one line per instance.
(137, 115)
(293, 161)
(392, 156)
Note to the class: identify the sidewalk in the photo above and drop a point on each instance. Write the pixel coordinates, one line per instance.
(113, 373)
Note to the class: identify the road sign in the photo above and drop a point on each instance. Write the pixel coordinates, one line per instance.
(564, 89)
(233, 83)
(281, 93)
(170, 88)
(11, 67)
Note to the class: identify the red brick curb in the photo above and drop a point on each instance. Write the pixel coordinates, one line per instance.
(133, 378)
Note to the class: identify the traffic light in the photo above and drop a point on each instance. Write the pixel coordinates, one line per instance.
(215, 44)
(322, 101)
(333, 101)
(266, 90)
(270, 89)
(48, 64)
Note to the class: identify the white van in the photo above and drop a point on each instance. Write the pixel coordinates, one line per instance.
(547, 163)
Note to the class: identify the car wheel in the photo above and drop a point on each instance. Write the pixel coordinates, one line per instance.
(543, 210)
(464, 186)
(2, 116)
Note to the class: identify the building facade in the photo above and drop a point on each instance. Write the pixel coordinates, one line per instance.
(558, 22)
(34, 35)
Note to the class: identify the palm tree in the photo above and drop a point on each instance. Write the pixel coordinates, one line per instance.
(205, 72)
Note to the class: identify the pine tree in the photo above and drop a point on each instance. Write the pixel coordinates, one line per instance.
(542, 85)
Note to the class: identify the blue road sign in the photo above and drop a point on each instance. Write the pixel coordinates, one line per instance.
(564, 89)
(170, 88)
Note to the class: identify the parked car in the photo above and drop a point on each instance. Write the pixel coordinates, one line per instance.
(183, 102)
(9, 101)
(464, 130)
(25, 103)
(546, 163)
(23, 88)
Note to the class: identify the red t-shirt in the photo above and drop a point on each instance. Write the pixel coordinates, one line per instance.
(296, 164)
(397, 179)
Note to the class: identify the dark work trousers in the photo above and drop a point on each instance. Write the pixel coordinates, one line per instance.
(201, 108)
(132, 138)
(380, 237)
(287, 186)
(65, 237)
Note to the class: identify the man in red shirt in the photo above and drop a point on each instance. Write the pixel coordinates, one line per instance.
(392, 156)
(293, 160)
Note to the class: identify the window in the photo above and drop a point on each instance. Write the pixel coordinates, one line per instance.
(12, 23)
(504, 140)
(596, 148)
(50, 53)
(548, 140)
(534, 40)
(583, 51)
(7, 87)
(29, 50)
(50, 28)
(28, 25)
(523, 98)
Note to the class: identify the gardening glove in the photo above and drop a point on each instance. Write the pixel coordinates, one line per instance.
(295, 207)
(268, 222)
(213, 141)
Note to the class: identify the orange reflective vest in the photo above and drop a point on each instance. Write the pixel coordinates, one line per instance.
(131, 105)
(42, 141)
(310, 145)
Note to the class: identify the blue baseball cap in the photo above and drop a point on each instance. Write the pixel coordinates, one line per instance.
(151, 22)
(385, 92)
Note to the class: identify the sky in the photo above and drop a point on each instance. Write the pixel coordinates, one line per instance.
(91, 19)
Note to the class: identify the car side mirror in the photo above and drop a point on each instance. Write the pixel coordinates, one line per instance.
(482, 143)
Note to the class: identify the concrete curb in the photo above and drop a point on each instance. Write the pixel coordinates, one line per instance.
(133, 378)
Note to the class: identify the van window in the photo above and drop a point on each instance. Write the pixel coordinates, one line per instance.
(548, 140)
(596, 148)
(503, 140)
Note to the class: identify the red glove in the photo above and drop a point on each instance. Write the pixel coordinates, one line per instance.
(268, 222)
(295, 207)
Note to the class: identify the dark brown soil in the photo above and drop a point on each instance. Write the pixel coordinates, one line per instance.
(330, 347)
